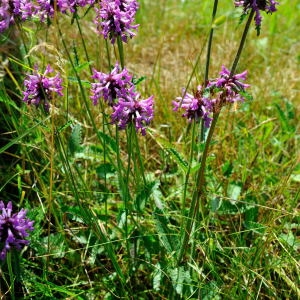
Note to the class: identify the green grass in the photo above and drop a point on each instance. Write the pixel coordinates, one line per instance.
(101, 230)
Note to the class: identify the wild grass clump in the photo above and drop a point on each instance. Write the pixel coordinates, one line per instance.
(149, 150)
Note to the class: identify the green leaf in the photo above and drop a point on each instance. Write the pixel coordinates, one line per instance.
(75, 139)
(165, 234)
(136, 81)
(255, 227)
(251, 214)
(151, 243)
(83, 82)
(108, 141)
(83, 66)
(219, 21)
(179, 159)
(157, 276)
(215, 204)
(227, 168)
(105, 170)
(179, 277)
(234, 191)
(286, 117)
(210, 291)
(290, 239)
(157, 196)
(143, 195)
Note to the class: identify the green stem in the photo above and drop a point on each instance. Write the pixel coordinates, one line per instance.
(24, 44)
(209, 44)
(242, 43)
(122, 185)
(197, 193)
(108, 53)
(121, 51)
(83, 41)
(11, 275)
(137, 152)
(208, 55)
(125, 198)
(82, 91)
(189, 167)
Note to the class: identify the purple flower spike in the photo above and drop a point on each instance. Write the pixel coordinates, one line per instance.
(196, 106)
(41, 88)
(257, 5)
(47, 8)
(138, 112)
(219, 92)
(6, 18)
(229, 87)
(117, 84)
(13, 229)
(12, 10)
(115, 18)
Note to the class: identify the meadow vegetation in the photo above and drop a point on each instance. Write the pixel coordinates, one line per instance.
(120, 215)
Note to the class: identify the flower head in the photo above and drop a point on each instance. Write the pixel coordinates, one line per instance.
(229, 87)
(47, 8)
(6, 17)
(115, 18)
(12, 10)
(257, 5)
(41, 87)
(116, 84)
(13, 229)
(138, 112)
(196, 106)
(219, 92)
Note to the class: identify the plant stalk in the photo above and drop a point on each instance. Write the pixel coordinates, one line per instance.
(208, 54)
(200, 180)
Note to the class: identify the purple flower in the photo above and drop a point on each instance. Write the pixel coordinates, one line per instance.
(13, 229)
(196, 106)
(115, 17)
(257, 5)
(116, 84)
(138, 112)
(41, 88)
(6, 17)
(228, 88)
(47, 8)
(219, 92)
(12, 10)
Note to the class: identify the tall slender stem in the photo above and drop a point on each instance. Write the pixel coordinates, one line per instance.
(242, 43)
(12, 276)
(209, 44)
(208, 54)
(189, 166)
(121, 51)
(199, 191)
(83, 42)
